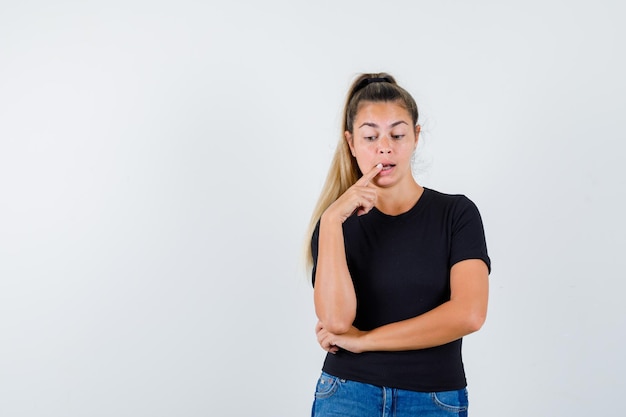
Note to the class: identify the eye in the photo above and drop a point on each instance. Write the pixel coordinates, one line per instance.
(369, 138)
(397, 137)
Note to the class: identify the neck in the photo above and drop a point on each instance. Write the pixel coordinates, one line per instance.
(399, 199)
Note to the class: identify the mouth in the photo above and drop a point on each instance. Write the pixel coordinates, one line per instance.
(387, 167)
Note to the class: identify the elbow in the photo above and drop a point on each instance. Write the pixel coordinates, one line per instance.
(474, 321)
(336, 320)
(336, 324)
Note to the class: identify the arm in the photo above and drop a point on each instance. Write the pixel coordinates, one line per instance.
(334, 296)
(465, 313)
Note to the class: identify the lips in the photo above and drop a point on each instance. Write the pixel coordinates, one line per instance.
(387, 167)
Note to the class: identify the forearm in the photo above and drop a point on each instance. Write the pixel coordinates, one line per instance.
(465, 313)
(442, 325)
(335, 299)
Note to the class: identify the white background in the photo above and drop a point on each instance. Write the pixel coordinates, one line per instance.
(159, 162)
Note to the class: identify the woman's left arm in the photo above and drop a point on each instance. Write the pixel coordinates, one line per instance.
(465, 313)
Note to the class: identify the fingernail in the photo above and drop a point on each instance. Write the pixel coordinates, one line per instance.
(379, 166)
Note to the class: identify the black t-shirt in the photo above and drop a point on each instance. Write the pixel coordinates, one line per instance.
(400, 267)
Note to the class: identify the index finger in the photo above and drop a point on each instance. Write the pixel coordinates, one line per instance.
(368, 176)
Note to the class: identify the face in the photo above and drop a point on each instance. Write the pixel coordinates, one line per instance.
(383, 133)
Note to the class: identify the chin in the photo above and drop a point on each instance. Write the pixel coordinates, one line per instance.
(384, 183)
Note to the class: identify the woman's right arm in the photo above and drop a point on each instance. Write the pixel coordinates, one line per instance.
(334, 296)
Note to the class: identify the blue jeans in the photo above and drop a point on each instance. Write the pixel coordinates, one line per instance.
(335, 397)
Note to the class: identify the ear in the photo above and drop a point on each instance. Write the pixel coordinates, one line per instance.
(350, 140)
(418, 129)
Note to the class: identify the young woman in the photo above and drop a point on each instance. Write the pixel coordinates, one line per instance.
(400, 272)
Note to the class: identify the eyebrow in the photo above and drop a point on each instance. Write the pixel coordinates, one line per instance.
(374, 125)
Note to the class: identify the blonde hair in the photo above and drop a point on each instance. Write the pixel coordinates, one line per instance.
(344, 170)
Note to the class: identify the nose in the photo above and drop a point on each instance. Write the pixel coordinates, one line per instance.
(384, 145)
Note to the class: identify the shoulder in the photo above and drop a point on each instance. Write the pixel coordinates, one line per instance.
(456, 209)
(448, 201)
(465, 226)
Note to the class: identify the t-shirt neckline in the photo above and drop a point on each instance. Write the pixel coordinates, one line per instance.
(416, 207)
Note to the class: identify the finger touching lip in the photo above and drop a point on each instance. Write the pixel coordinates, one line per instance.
(387, 167)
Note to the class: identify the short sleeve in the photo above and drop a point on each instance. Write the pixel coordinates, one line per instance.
(468, 235)
(314, 250)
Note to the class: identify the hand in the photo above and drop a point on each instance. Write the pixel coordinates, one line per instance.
(351, 341)
(360, 197)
